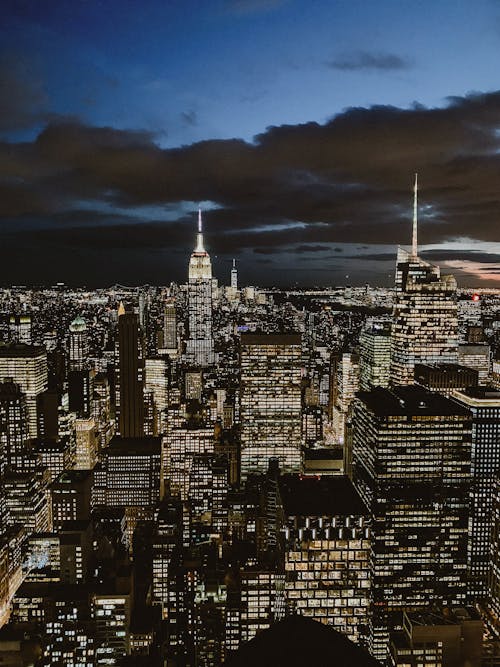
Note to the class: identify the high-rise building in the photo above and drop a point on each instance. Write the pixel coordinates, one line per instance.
(20, 328)
(411, 453)
(424, 319)
(129, 395)
(170, 327)
(156, 380)
(478, 357)
(234, 276)
(494, 578)
(327, 552)
(374, 355)
(270, 410)
(345, 384)
(78, 344)
(26, 365)
(13, 427)
(484, 405)
(200, 344)
(129, 473)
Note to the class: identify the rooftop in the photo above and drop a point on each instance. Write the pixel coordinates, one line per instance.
(410, 400)
(319, 495)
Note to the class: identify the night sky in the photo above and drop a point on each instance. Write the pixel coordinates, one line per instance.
(296, 125)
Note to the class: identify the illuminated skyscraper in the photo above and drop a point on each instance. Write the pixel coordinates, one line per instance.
(234, 276)
(170, 328)
(78, 344)
(270, 402)
(200, 345)
(412, 467)
(425, 324)
(484, 404)
(27, 366)
(374, 355)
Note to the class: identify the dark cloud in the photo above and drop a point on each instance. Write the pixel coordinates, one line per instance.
(23, 99)
(365, 60)
(304, 186)
(190, 118)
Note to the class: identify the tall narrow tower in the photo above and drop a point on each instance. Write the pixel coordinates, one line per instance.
(130, 407)
(424, 319)
(234, 276)
(200, 344)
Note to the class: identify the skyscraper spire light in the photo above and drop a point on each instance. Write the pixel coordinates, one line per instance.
(199, 238)
(414, 240)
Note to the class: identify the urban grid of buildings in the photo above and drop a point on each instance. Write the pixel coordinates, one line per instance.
(183, 467)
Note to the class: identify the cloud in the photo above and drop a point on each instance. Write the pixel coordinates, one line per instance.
(190, 118)
(366, 60)
(24, 101)
(305, 186)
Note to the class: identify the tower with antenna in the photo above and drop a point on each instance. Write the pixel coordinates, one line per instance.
(200, 343)
(424, 322)
(234, 276)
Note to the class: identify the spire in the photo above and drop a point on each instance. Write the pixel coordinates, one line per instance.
(414, 242)
(234, 263)
(199, 236)
(121, 309)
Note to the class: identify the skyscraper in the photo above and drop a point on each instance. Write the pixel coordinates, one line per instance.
(270, 402)
(130, 401)
(27, 366)
(374, 355)
(411, 452)
(234, 276)
(200, 344)
(484, 405)
(78, 344)
(425, 324)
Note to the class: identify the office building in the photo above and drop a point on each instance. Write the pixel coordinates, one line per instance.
(129, 473)
(327, 552)
(484, 406)
(374, 355)
(445, 378)
(14, 432)
(26, 365)
(270, 402)
(129, 394)
(476, 356)
(411, 454)
(78, 345)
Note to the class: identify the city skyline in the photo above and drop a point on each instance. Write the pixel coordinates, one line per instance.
(296, 129)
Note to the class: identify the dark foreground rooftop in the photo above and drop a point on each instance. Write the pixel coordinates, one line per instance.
(298, 642)
(320, 495)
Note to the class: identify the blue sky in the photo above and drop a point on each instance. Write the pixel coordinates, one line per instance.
(187, 72)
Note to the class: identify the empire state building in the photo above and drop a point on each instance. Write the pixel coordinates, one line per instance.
(200, 344)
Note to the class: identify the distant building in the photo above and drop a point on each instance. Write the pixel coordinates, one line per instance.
(476, 356)
(78, 345)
